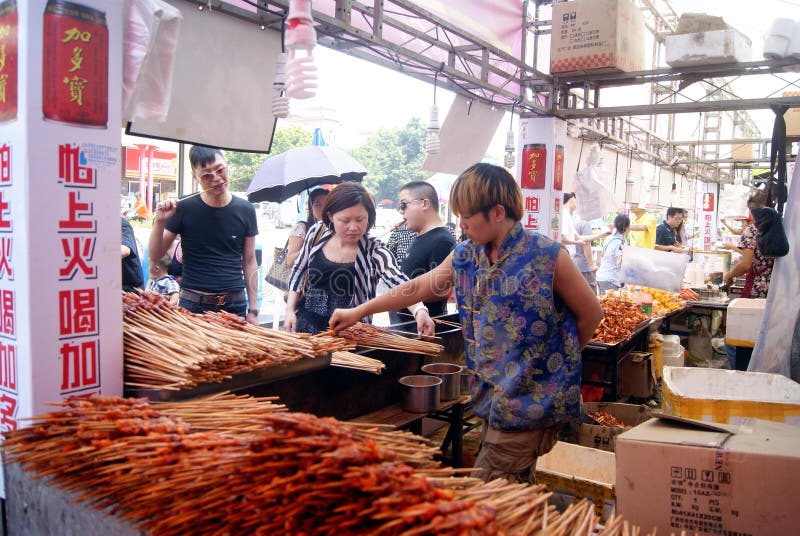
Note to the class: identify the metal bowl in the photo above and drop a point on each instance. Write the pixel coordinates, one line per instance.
(451, 378)
(421, 393)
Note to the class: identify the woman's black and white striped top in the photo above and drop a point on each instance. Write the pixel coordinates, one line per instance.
(373, 262)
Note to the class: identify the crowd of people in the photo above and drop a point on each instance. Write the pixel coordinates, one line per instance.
(527, 304)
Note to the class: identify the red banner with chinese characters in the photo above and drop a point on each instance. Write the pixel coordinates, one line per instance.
(708, 202)
(558, 168)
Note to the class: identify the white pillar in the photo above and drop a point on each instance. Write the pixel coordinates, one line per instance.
(60, 299)
(541, 173)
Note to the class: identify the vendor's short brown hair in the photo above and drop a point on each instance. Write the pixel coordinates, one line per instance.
(483, 186)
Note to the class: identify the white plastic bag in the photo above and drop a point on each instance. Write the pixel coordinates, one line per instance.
(652, 268)
(151, 39)
(593, 187)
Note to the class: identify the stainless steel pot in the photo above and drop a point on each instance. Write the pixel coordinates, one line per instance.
(450, 375)
(421, 393)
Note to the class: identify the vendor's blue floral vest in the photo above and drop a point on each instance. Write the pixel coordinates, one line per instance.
(520, 340)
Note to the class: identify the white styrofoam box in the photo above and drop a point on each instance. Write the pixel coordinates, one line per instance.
(707, 48)
(794, 43)
(777, 39)
(743, 321)
(674, 358)
(671, 343)
(730, 396)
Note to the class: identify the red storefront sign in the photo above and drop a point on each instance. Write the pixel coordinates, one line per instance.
(165, 163)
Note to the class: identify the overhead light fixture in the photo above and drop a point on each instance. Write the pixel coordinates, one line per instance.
(432, 135)
(509, 160)
(301, 38)
(280, 102)
(630, 183)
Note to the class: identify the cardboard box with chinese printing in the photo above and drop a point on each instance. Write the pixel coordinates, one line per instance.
(573, 472)
(603, 437)
(679, 475)
(792, 116)
(597, 36)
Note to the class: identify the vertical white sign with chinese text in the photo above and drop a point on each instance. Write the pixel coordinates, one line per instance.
(60, 292)
(707, 200)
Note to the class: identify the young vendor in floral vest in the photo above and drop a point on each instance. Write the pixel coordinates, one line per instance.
(526, 312)
(218, 232)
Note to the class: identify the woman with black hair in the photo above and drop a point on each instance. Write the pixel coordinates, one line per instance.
(758, 248)
(316, 200)
(339, 264)
(608, 272)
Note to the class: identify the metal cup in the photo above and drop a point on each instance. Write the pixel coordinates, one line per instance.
(420, 393)
(450, 375)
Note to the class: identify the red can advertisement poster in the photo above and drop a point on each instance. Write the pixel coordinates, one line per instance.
(8, 60)
(75, 69)
(534, 166)
(558, 168)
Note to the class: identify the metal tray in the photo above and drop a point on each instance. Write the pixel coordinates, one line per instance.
(604, 345)
(238, 382)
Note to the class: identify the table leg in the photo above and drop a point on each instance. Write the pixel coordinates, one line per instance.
(457, 427)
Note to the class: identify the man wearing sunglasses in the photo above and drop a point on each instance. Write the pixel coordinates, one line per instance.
(419, 205)
(218, 232)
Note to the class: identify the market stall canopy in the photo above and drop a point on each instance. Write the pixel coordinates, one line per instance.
(282, 176)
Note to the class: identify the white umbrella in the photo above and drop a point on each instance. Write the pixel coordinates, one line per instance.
(282, 176)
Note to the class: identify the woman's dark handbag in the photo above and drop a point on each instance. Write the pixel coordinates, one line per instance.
(278, 274)
(770, 238)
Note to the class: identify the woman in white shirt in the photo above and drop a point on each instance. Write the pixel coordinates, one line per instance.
(608, 272)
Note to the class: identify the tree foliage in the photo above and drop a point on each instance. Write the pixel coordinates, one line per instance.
(393, 157)
(242, 166)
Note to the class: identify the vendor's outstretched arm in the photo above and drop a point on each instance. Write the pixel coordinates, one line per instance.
(431, 286)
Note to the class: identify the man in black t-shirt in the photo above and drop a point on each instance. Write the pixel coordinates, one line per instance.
(218, 232)
(419, 204)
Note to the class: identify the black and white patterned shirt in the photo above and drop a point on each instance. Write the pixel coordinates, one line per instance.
(399, 242)
(373, 262)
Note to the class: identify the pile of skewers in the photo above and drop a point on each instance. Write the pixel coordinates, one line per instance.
(167, 347)
(353, 361)
(170, 470)
(368, 336)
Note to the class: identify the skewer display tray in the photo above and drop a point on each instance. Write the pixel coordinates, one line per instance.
(238, 382)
